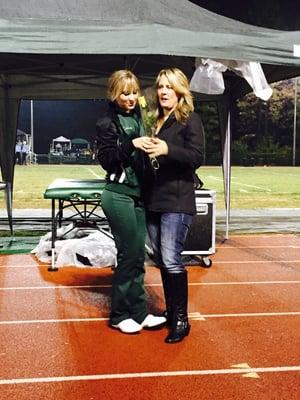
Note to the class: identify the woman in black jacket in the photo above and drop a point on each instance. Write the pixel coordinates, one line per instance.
(119, 140)
(178, 147)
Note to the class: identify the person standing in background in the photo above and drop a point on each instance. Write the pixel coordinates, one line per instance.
(24, 152)
(18, 156)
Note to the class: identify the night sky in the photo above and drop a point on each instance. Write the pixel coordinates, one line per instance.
(51, 119)
(275, 14)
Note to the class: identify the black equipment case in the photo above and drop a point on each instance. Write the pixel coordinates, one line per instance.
(201, 238)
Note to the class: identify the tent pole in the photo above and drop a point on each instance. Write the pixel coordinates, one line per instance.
(295, 120)
(9, 108)
(225, 130)
(31, 126)
(227, 173)
(9, 206)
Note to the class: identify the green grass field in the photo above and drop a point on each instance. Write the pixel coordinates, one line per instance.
(251, 187)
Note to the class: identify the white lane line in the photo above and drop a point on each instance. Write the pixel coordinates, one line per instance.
(192, 316)
(24, 266)
(244, 283)
(94, 173)
(252, 186)
(277, 261)
(197, 316)
(56, 287)
(278, 173)
(2, 289)
(156, 374)
(233, 182)
(43, 266)
(271, 314)
(258, 247)
(215, 262)
(51, 321)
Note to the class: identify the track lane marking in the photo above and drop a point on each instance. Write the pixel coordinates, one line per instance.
(197, 316)
(277, 261)
(258, 247)
(3, 289)
(52, 321)
(247, 374)
(244, 283)
(157, 374)
(193, 316)
(258, 314)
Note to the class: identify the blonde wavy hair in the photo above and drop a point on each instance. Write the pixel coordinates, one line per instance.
(180, 84)
(122, 81)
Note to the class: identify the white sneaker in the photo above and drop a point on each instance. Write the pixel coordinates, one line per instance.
(128, 326)
(153, 321)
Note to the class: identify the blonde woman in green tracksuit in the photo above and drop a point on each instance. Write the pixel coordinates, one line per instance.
(120, 142)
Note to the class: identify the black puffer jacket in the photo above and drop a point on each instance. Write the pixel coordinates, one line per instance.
(173, 187)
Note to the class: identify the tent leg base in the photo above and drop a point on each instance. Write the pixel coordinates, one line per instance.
(52, 269)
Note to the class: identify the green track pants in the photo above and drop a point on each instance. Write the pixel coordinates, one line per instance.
(127, 223)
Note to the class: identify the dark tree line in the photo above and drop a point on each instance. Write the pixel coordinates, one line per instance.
(272, 118)
(276, 14)
(262, 131)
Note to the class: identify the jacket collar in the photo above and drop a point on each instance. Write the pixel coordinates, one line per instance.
(118, 110)
(168, 122)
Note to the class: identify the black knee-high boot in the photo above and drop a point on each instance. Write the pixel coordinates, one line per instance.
(167, 293)
(180, 326)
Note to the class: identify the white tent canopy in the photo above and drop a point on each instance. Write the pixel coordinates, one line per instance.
(59, 143)
(61, 139)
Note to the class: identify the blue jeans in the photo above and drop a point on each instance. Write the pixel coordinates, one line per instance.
(167, 233)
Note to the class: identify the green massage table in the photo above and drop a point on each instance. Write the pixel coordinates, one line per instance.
(83, 198)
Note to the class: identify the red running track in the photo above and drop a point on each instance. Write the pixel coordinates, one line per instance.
(244, 342)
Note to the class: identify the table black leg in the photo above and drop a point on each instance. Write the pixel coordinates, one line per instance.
(53, 238)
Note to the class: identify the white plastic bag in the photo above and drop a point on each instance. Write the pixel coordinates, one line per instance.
(208, 77)
(254, 75)
(93, 247)
(97, 249)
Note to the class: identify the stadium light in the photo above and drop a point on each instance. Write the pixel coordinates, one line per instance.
(295, 120)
